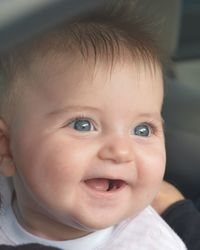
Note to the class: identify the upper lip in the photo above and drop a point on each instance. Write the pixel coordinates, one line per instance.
(126, 180)
(126, 174)
(105, 177)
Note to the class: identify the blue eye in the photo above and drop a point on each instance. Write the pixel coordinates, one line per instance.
(82, 125)
(142, 130)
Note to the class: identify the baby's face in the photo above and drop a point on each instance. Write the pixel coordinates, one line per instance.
(87, 145)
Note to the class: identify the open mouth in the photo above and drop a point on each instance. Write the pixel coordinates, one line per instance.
(104, 185)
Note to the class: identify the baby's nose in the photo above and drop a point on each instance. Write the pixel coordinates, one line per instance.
(118, 150)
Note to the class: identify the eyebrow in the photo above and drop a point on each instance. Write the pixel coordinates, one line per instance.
(154, 116)
(72, 108)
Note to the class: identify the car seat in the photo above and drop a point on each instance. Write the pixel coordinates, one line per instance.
(181, 109)
(181, 112)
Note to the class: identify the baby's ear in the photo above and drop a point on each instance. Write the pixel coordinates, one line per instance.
(7, 167)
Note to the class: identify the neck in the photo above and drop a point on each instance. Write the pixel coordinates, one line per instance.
(47, 228)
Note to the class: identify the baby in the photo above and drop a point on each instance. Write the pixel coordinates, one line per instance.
(82, 150)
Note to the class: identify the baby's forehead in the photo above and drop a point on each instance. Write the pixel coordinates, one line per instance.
(69, 63)
(56, 63)
(56, 77)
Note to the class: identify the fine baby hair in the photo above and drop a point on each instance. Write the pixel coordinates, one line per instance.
(109, 33)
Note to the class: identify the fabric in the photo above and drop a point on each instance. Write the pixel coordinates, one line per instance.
(145, 232)
(27, 247)
(184, 218)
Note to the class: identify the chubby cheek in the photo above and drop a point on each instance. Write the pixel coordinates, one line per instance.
(151, 172)
(53, 163)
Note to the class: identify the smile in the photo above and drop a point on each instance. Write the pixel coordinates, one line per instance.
(105, 185)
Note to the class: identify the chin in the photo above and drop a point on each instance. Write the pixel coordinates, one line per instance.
(101, 223)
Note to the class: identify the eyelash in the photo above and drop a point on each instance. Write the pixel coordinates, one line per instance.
(154, 128)
(80, 117)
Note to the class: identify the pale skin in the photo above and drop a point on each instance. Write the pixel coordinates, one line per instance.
(167, 195)
(85, 145)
